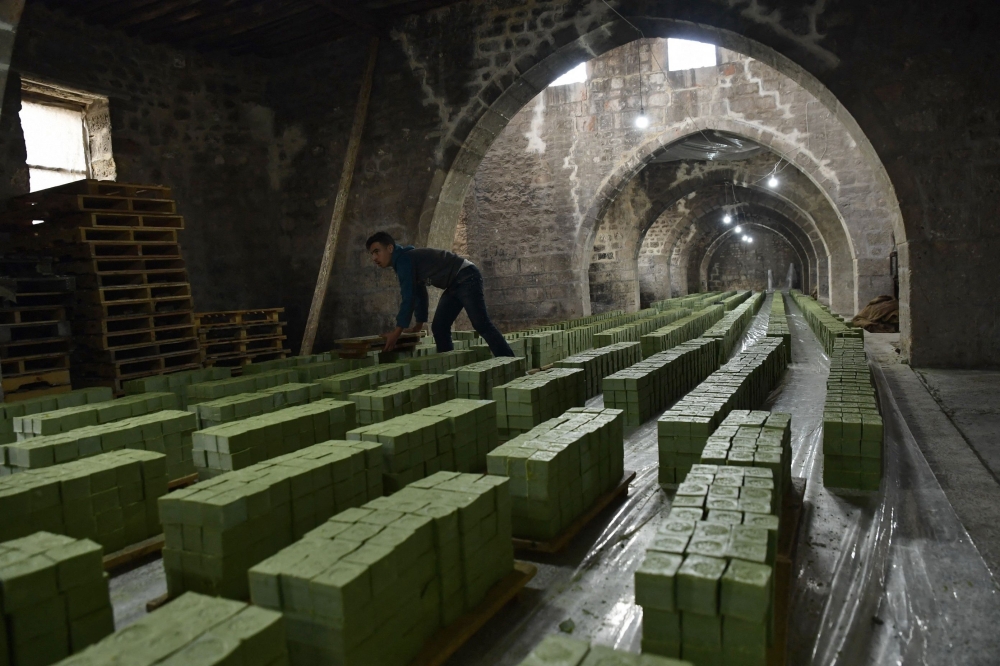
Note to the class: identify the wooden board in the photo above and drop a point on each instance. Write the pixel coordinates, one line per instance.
(557, 544)
(134, 552)
(182, 482)
(449, 639)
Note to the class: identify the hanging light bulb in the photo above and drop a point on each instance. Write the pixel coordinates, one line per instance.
(642, 120)
(772, 182)
(738, 229)
(728, 218)
(744, 239)
(749, 239)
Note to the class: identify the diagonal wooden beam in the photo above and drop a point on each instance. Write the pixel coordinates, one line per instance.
(356, 15)
(340, 205)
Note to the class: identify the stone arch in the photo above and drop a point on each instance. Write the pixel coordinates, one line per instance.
(754, 223)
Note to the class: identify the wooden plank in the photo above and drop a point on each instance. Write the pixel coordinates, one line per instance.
(560, 542)
(340, 205)
(182, 482)
(449, 639)
(134, 552)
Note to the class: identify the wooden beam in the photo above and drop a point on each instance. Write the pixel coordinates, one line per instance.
(340, 205)
(352, 13)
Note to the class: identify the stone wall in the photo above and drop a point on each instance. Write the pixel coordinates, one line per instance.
(735, 264)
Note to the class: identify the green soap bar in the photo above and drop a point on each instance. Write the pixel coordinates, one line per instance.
(740, 636)
(698, 584)
(693, 501)
(661, 626)
(685, 514)
(706, 546)
(725, 517)
(654, 580)
(676, 527)
(669, 544)
(753, 552)
(722, 504)
(746, 591)
(701, 630)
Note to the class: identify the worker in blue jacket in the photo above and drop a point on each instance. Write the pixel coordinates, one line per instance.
(463, 288)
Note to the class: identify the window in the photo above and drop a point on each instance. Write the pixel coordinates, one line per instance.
(685, 54)
(67, 135)
(55, 139)
(576, 75)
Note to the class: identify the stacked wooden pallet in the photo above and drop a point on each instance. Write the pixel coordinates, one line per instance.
(35, 335)
(235, 338)
(132, 311)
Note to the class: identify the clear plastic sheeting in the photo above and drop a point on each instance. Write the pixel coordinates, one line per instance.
(712, 145)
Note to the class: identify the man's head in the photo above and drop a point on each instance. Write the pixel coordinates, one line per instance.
(380, 246)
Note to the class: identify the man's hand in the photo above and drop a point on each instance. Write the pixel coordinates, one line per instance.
(390, 339)
(416, 329)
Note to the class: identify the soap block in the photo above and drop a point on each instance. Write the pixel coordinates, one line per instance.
(746, 590)
(698, 584)
(655, 581)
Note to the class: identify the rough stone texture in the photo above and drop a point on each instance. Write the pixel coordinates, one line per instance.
(734, 264)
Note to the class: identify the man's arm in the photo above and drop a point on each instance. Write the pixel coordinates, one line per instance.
(420, 304)
(404, 273)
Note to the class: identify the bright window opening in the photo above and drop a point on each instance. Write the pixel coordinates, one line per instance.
(685, 54)
(576, 75)
(56, 141)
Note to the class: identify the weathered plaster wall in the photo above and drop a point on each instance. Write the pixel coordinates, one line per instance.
(734, 264)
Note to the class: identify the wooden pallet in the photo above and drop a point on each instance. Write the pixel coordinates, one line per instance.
(13, 367)
(560, 542)
(448, 640)
(110, 265)
(234, 332)
(26, 332)
(238, 317)
(239, 361)
(40, 314)
(133, 293)
(126, 278)
(103, 187)
(224, 348)
(125, 324)
(28, 394)
(35, 381)
(150, 306)
(47, 203)
(136, 551)
(360, 347)
(139, 337)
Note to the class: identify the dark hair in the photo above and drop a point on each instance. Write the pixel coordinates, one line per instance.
(379, 237)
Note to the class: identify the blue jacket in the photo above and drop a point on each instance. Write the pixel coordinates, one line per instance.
(415, 269)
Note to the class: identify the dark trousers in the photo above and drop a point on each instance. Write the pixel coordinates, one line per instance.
(466, 292)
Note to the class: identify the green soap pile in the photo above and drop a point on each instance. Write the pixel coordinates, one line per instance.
(578, 339)
(527, 401)
(221, 388)
(477, 380)
(53, 598)
(216, 530)
(95, 413)
(560, 468)
(633, 332)
(777, 324)
(556, 650)
(742, 383)
(11, 410)
(167, 432)
(312, 372)
(245, 405)
(732, 302)
(110, 499)
(238, 444)
(176, 382)
(692, 301)
(402, 397)
(734, 323)
(647, 387)
(453, 436)
(601, 362)
(682, 330)
(545, 348)
(754, 439)
(429, 347)
(439, 364)
(706, 585)
(194, 630)
(852, 426)
(827, 326)
(372, 584)
(285, 363)
(343, 385)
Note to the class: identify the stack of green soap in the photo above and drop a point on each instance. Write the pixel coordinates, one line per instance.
(293, 393)
(239, 444)
(167, 432)
(680, 331)
(285, 363)
(11, 410)
(852, 426)
(754, 439)
(439, 364)
(232, 408)
(312, 372)
(824, 324)
(733, 324)
(578, 339)
(527, 401)
(473, 427)
(734, 301)
(477, 380)
(601, 362)
(216, 530)
(557, 650)
(343, 385)
(545, 348)
(560, 468)
(372, 584)
(691, 301)
(402, 397)
(777, 324)
(743, 383)
(517, 344)
(220, 388)
(194, 630)
(632, 332)
(53, 598)
(649, 386)
(176, 382)
(109, 498)
(96, 413)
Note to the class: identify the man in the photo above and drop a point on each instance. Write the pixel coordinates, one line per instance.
(463, 288)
